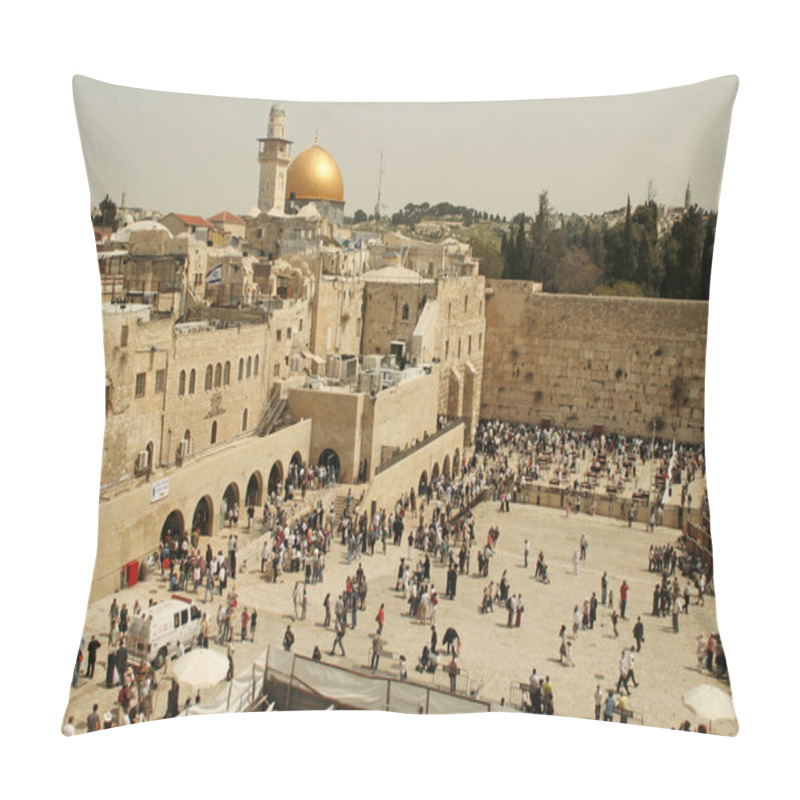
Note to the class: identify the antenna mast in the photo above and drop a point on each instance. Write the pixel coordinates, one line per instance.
(380, 180)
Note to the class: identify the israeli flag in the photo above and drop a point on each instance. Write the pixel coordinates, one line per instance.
(214, 275)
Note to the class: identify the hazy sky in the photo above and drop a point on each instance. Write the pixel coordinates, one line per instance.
(198, 155)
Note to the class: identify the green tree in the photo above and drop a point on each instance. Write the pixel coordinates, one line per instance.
(359, 216)
(576, 273)
(107, 217)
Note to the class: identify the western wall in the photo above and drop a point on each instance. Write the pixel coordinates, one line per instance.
(580, 361)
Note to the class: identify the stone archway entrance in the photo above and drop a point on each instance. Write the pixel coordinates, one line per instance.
(275, 482)
(446, 467)
(230, 499)
(203, 516)
(330, 460)
(173, 526)
(254, 490)
(422, 487)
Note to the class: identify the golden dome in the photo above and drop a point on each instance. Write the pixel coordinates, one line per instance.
(314, 175)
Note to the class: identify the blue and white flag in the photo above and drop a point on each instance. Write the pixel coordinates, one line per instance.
(214, 275)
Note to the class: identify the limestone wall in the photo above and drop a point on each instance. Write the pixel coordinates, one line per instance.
(583, 361)
(130, 523)
(387, 486)
(162, 417)
(397, 416)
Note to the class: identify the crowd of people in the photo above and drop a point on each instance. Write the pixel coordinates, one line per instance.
(436, 522)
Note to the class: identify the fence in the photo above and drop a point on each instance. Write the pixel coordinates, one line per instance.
(606, 505)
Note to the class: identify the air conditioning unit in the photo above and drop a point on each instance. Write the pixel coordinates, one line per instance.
(333, 367)
(183, 451)
(142, 463)
(371, 362)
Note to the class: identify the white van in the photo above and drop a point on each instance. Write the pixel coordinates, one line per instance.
(154, 635)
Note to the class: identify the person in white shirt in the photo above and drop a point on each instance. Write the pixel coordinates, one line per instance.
(69, 727)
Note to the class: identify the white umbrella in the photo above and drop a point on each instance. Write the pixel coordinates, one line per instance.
(709, 702)
(200, 668)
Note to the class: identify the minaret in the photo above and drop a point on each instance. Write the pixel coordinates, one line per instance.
(687, 198)
(274, 158)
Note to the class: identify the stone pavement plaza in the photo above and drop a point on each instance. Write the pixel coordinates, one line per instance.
(492, 654)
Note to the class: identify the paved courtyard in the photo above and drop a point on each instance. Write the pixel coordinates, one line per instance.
(493, 655)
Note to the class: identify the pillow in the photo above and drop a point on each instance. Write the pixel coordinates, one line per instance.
(404, 407)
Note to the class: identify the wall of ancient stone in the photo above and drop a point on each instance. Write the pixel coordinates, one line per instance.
(130, 523)
(398, 416)
(623, 363)
(387, 486)
(163, 416)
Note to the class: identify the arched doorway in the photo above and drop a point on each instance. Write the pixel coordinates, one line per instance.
(446, 467)
(330, 460)
(423, 483)
(456, 464)
(173, 526)
(201, 520)
(294, 468)
(230, 498)
(275, 482)
(434, 473)
(253, 493)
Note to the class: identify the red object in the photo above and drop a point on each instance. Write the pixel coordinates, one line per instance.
(132, 568)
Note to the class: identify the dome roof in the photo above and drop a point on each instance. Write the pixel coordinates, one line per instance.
(314, 175)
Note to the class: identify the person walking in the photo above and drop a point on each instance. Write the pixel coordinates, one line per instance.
(575, 561)
(527, 552)
(604, 588)
(340, 629)
(631, 676)
(598, 702)
(638, 633)
(623, 672)
(288, 639)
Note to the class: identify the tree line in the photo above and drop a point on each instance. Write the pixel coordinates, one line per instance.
(584, 256)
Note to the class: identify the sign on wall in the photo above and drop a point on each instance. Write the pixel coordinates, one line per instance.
(159, 490)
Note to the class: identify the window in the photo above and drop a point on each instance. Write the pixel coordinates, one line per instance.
(277, 336)
(192, 379)
(244, 420)
(255, 366)
(141, 379)
(249, 366)
(123, 339)
(209, 378)
(405, 311)
(276, 371)
(182, 383)
(218, 376)
(466, 303)
(288, 333)
(213, 432)
(161, 379)
(459, 348)
(300, 328)
(469, 345)
(226, 377)
(447, 348)
(480, 340)
(241, 368)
